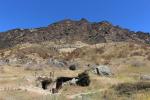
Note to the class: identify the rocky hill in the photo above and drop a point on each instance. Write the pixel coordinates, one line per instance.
(70, 31)
(115, 62)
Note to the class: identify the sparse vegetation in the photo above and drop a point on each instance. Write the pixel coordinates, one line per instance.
(131, 88)
(136, 63)
(124, 59)
(148, 57)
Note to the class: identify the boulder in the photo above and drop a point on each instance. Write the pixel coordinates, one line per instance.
(103, 70)
(145, 77)
(73, 81)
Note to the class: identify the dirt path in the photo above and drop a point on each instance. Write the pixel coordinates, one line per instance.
(28, 89)
(35, 90)
(87, 93)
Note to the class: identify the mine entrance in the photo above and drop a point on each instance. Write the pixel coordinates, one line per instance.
(45, 84)
(61, 80)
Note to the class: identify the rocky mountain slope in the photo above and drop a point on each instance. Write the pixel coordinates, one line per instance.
(70, 31)
(117, 62)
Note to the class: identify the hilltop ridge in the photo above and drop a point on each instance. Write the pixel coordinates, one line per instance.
(70, 31)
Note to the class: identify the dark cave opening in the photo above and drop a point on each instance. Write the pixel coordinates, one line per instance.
(45, 84)
(61, 80)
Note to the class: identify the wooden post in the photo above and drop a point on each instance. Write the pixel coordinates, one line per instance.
(35, 74)
(51, 74)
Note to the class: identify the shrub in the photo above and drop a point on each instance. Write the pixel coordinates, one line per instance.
(148, 57)
(83, 79)
(100, 50)
(129, 88)
(137, 53)
(72, 67)
(137, 64)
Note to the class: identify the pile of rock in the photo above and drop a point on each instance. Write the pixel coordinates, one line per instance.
(56, 62)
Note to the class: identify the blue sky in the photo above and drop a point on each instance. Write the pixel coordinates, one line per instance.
(131, 14)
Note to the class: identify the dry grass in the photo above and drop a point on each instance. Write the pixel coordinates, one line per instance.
(126, 60)
(131, 88)
(148, 57)
(110, 51)
(97, 83)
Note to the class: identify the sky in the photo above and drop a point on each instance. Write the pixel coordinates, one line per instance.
(130, 14)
